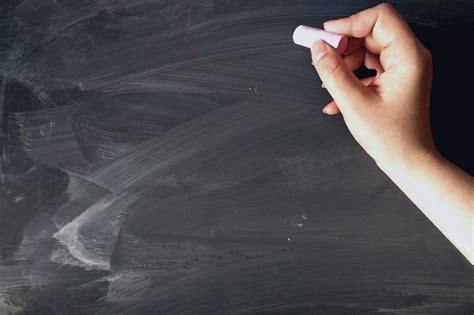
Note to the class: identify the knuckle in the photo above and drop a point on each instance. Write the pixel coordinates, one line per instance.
(336, 69)
(356, 21)
(330, 65)
(427, 58)
(418, 52)
(427, 55)
(353, 18)
(422, 61)
(385, 7)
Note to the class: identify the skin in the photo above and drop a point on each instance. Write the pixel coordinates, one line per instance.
(389, 115)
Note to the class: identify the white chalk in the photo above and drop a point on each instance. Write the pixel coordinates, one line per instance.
(307, 35)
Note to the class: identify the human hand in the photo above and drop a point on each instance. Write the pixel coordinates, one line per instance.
(388, 114)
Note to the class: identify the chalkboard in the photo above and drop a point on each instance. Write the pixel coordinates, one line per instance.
(171, 157)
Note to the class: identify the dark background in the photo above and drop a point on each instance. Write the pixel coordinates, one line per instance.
(172, 157)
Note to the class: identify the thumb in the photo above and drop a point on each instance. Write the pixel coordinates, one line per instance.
(346, 90)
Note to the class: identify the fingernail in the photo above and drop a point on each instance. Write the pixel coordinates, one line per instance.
(318, 50)
(327, 25)
(323, 86)
(324, 110)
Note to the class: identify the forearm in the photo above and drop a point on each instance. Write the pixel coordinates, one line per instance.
(443, 192)
(389, 116)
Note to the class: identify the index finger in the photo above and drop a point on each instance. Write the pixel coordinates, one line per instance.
(381, 26)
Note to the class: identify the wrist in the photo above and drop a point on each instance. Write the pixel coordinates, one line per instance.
(410, 161)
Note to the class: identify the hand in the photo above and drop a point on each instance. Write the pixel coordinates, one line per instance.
(387, 114)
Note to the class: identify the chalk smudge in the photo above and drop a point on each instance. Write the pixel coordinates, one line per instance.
(170, 157)
(91, 237)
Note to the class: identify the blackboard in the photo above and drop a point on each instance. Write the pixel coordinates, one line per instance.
(171, 157)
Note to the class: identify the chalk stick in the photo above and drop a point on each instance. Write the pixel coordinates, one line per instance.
(307, 35)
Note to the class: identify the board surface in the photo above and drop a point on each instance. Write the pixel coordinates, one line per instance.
(172, 157)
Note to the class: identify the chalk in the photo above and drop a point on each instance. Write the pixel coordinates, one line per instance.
(307, 35)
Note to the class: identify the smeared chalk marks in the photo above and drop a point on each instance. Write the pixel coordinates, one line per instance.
(91, 237)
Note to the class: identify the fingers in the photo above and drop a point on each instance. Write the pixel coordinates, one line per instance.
(372, 61)
(381, 26)
(347, 91)
(361, 56)
(353, 45)
(381, 21)
(354, 60)
(332, 108)
(368, 81)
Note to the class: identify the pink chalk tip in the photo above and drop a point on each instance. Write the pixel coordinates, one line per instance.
(307, 35)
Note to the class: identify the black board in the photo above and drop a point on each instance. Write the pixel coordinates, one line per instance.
(172, 157)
